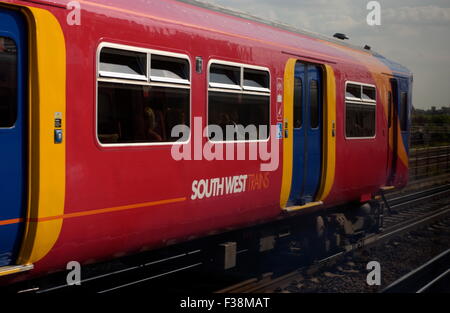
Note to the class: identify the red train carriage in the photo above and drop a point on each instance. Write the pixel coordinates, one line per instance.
(91, 167)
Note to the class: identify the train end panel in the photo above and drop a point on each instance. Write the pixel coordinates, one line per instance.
(399, 121)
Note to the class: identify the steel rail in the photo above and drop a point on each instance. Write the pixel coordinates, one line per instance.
(423, 278)
(118, 272)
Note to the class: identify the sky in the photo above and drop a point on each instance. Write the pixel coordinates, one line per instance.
(415, 33)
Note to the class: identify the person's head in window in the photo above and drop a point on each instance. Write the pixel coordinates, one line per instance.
(151, 119)
(225, 120)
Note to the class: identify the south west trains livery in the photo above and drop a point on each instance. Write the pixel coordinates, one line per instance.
(110, 116)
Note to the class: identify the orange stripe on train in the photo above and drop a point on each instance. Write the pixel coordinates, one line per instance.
(92, 212)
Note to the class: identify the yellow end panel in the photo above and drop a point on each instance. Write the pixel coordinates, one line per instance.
(288, 128)
(329, 136)
(47, 101)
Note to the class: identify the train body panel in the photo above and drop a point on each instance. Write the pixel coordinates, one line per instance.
(116, 199)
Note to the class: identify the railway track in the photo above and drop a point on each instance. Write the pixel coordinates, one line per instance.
(431, 277)
(167, 272)
(128, 276)
(408, 217)
(403, 201)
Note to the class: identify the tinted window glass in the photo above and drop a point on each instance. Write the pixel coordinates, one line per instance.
(314, 100)
(298, 103)
(241, 114)
(404, 111)
(235, 109)
(369, 94)
(390, 108)
(169, 68)
(8, 82)
(123, 64)
(256, 79)
(226, 75)
(360, 111)
(353, 91)
(360, 120)
(130, 112)
(140, 114)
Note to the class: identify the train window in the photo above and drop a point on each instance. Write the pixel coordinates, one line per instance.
(168, 69)
(240, 108)
(223, 76)
(404, 111)
(117, 63)
(360, 120)
(298, 103)
(8, 82)
(353, 91)
(314, 100)
(369, 94)
(390, 107)
(360, 111)
(138, 112)
(234, 109)
(256, 80)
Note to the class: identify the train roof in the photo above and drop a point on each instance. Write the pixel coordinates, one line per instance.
(206, 16)
(275, 24)
(397, 67)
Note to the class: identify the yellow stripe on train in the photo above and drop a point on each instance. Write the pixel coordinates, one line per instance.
(47, 160)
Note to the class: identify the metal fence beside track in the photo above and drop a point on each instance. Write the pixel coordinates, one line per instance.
(429, 161)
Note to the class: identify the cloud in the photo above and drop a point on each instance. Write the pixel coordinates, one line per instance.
(432, 15)
(413, 34)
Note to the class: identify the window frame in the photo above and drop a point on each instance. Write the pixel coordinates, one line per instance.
(241, 90)
(149, 82)
(360, 101)
(16, 119)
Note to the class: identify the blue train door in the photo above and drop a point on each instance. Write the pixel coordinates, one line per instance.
(307, 158)
(399, 113)
(13, 174)
(404, 93)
